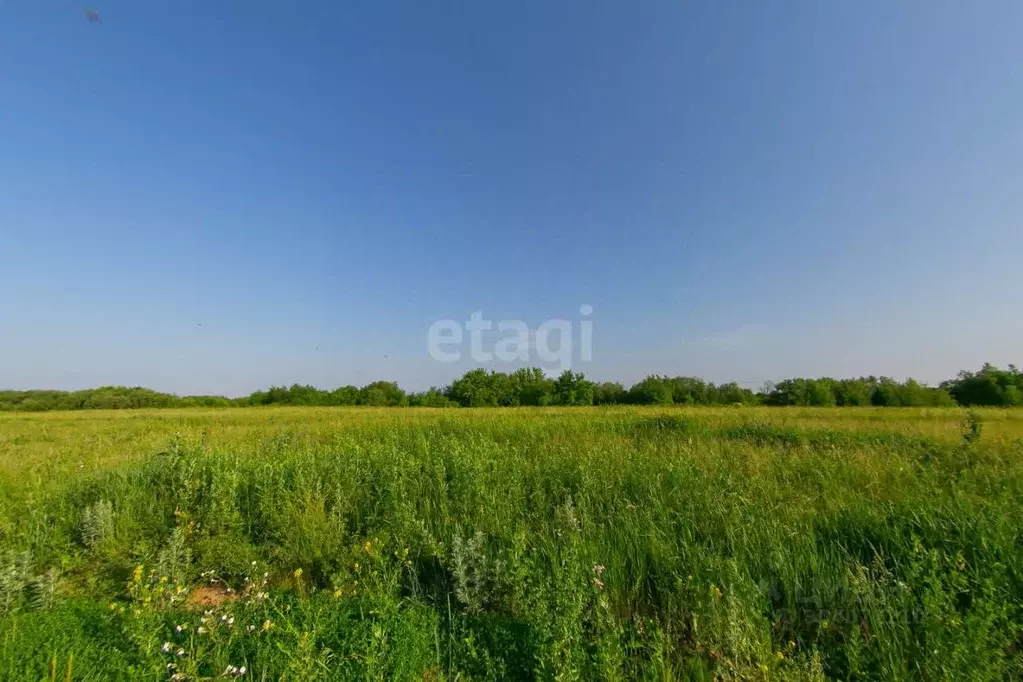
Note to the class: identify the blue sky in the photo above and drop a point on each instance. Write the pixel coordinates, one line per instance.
(741, 191)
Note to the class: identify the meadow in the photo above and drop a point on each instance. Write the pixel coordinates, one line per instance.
(653, 543)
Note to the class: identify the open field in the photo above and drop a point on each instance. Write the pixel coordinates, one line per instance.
(574, 543)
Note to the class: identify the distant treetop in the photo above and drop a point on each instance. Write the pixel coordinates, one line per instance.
(531, 386)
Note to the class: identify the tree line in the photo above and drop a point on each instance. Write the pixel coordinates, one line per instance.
(989, 386)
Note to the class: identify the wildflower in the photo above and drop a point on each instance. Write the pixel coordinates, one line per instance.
(179, 628)
(267, 624)
(298, 573)
(598, 569)
(253, 563)
(166, 647)
(250, 628)
(201, 630)
(715, 592)
(181, 652)
(598, 583)
(230, 621)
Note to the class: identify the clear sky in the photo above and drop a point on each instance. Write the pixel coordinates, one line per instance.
(741, 190)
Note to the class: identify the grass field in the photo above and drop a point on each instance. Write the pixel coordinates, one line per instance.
(578, 543)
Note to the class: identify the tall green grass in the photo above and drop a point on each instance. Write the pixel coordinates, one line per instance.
(522, 544)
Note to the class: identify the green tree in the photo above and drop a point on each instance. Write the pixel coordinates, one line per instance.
(475, 388)
(382, 394)
(572, 388)
(989, 386)
(653, 390)
(733, 394)
(689, 391)
(609, 393)
(533, 386)
(852, 392)
(433, 397)
(344, 395)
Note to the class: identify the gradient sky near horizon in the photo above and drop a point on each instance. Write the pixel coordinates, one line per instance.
(744, 191)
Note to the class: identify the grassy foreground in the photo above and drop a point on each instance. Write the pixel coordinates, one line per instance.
(629, 543)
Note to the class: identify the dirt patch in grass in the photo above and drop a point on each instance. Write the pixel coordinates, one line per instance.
(209, 596)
